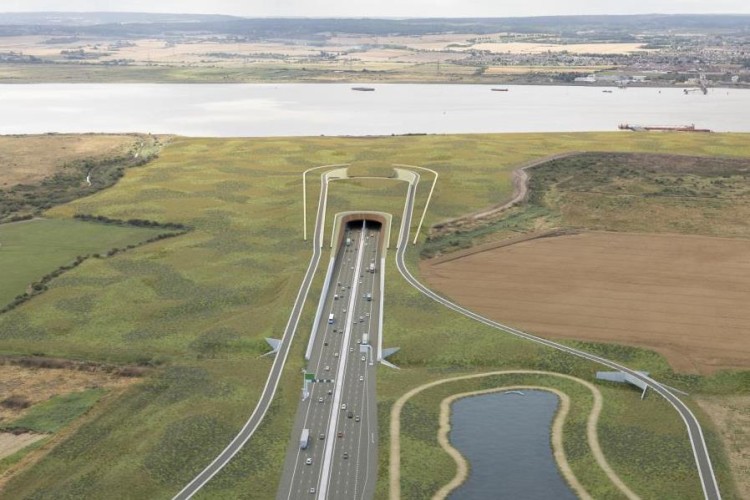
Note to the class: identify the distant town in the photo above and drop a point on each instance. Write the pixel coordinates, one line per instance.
(691, 51)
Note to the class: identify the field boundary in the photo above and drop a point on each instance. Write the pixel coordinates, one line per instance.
(492, 245)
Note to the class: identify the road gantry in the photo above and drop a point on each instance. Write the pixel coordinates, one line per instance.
(339, 460)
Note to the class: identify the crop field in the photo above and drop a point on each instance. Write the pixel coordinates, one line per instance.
(683, 296)
(31, 249)
(197, 307)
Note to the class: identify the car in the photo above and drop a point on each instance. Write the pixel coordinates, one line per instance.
(343, 406)
(356, 419)
(308, 461)
(336, 354)
(312, 491)
(340, 434)
(362, 358)
(328, 368)
(350, 414)
(361, 378)
(354, 322)
(322, 435)
(320, 399)
(351, 349)
(345, 309)
(367, 315)
(346, 455)
(326, 343)
(330, 391)
(359, 341)
(360, 282)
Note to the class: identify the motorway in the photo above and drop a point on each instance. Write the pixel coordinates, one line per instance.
(695, 434)
(344, 479)
(340, 458)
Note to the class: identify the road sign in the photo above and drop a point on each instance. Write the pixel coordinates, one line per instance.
(310, 376)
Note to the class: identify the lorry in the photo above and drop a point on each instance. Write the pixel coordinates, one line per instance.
(304, 439)
(365, 338)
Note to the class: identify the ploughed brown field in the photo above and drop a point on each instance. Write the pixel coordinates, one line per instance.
(687, 297)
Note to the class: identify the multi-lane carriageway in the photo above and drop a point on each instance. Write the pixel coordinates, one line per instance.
(340, 459)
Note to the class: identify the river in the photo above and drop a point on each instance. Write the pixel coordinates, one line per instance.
(253, 110)
(506, 440)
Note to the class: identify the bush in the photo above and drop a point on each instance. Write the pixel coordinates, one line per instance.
(15, 402)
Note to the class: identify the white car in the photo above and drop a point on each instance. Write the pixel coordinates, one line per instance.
(320, 399)
(343, 406)
(336, 354)
(363, 358)
(361, 378)
(308, 461)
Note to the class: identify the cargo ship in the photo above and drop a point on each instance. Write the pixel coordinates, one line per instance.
(499, 90)
(684, 128)
(364, 89)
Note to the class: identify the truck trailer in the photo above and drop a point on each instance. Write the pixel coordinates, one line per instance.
(304, 439)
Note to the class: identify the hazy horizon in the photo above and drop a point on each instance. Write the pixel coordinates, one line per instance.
(384, 8)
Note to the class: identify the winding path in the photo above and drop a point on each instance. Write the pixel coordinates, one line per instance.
(695, 433)
(462, 468)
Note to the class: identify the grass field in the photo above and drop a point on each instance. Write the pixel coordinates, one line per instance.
(31, 158)
(31, 249)
(197, 308)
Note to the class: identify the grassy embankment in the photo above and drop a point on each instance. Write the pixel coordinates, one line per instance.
(198, 307)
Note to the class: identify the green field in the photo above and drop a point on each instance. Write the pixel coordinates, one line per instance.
(197, 307)
(29, 250)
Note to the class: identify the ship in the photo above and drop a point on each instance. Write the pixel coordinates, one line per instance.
(683, 128)
(499, 90)
(364, 89)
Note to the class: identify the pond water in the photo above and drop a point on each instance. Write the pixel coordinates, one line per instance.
(505, 438)
(252, 110)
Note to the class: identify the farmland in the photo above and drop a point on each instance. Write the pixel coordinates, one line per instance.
(682, 296)
(196, 308)
(31, 249)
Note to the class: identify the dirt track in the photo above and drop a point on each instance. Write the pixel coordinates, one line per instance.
(683, 296)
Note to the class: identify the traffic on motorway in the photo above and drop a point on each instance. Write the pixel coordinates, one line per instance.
(333, 448)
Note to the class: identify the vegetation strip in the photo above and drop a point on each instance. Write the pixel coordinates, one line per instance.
(395, 428)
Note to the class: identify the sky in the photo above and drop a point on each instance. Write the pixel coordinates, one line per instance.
(387, 8)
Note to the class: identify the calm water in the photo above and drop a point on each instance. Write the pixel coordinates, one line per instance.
(334, 109)
(506, 440)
